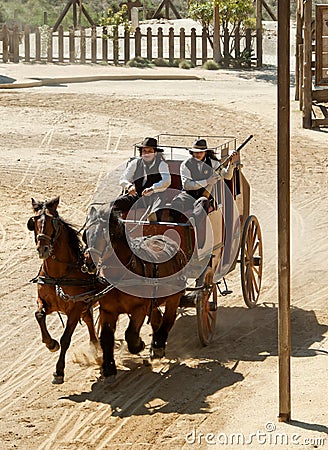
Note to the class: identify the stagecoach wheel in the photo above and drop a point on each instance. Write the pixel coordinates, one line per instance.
(251, 260)
(206, 306)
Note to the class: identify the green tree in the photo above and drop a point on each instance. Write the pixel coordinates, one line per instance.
(112, 21)
(233, 15)
(233, 12)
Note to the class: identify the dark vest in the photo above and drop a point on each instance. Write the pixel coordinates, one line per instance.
(199, 174)
(153, 175)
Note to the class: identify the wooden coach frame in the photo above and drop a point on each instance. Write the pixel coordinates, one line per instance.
(321, 57)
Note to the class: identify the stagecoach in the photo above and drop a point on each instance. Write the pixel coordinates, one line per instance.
(198, 256)
(229, 236)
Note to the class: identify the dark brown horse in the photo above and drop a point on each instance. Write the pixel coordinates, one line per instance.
(143, 281)
(62, 286)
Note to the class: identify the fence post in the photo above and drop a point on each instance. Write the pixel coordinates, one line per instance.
(149, 44)
(237, 43)
(226, 47)
(126, 46)
(115, 47)
(193, 47)
(137, 38)
(104, 41)
(16, 45)
(204, 45)
(49, 46)
(160, 42)
(182, 44)
(93, 44)
(71, 45)
(37, 44)
(249, 45)
(5, 43)
(61, 44)
(27, 44)
(171, 45)
(82, 46)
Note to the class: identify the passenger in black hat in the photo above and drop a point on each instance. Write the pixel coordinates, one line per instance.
(146, 176)
(197, 172)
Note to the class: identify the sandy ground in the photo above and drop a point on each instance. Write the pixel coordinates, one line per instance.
(61, 140)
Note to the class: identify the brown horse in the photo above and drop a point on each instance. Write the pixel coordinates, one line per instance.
(126, 265)
(60, 248)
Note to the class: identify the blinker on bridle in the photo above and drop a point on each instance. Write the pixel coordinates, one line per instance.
(55, 220)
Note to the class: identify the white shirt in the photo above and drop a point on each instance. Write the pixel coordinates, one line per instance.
(128, 177)
(191, 185)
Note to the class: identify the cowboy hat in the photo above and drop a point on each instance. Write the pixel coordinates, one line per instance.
(200, 145)
(149, 142)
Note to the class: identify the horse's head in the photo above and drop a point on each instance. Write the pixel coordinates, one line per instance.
(46, 225)
(103, 233)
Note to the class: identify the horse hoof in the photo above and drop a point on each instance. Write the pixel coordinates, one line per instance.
(107, 380)
(156, 353)
(58, 379)
(55, 346)
(135, 349)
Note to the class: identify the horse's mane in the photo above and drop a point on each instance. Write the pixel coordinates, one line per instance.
(73, 237)
(116, 226)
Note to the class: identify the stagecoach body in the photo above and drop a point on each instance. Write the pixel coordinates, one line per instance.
(231, 234)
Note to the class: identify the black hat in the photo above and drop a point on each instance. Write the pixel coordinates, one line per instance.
(200, 145)
(149, 142)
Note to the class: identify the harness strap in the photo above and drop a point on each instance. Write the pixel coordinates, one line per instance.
(46, 280)
(86, 297)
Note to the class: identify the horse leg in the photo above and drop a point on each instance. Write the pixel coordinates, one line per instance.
(132, 333)
(65, 340)
(160, 334)
(108, 326)
(88, 320)
(40, 316)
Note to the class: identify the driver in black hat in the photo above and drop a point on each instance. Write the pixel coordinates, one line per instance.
(146, 176)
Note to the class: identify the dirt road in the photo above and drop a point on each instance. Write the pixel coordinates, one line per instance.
(61, 140)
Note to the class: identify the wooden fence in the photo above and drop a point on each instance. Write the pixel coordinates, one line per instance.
(93, 46)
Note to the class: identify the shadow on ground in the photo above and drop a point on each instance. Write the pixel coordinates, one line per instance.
(241, 335)
(6, 80)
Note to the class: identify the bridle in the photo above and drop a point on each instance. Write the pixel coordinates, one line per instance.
(42, 236)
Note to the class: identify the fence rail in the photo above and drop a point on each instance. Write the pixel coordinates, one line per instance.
(93, 45)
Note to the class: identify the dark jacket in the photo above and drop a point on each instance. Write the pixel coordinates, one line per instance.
(199, 174)
(153, 175)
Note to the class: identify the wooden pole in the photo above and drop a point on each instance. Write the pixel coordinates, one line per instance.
(283, 152)
(216, 34)
(259, 33)
(307, 49)
(298, 61)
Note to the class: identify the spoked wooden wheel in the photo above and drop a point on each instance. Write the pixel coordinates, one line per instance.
(206, 306)
(251, 259)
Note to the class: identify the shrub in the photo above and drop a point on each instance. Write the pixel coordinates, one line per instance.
(185, 64)
(140, 62)
(161, 62)
(211, 65)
